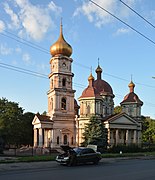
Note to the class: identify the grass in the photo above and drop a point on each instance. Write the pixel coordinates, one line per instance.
(115, 155)
(36, 158)
(29, 159)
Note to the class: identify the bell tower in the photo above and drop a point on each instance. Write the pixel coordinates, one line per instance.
(131, 103)
(61, 94)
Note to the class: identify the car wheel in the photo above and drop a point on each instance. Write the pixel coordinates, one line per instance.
(72, 161)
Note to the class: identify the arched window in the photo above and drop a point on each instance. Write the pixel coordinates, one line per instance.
(52, 83)
(88, 110)
(57, 139)
(51, 103)
(63, 103)
(65, 139)
(64, 82)
(72, 142)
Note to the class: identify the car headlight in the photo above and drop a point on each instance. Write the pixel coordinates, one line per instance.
(66, 158)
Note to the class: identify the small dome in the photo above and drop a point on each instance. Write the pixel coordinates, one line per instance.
(131, 97)
(131, 84)
(90, 77)
(99, 69)
(61, 46)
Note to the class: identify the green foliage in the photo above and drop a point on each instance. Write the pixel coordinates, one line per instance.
(117, 109)
(14, 125)
(95, 133)
(125, 149)
(27, 129)
(148, 130)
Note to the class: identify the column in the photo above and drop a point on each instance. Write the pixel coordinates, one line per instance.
(139, 138)
(127, 137)
(117, 137)
(52, 138)
(135, 136)
(45, 138)
(40, 138)
(109, 137)
(35, 138)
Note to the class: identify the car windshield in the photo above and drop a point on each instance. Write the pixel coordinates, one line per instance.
(77, 150)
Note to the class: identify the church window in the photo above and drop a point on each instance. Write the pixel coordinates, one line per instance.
(52, 83)
(106, 110)
(51, 103)
(64, 82)
(63, 103)
(88, 110)
(65, 139)
(63, 65)
(57, 139)
(72, 140)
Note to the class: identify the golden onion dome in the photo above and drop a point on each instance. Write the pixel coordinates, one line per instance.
(61, 46)
(131, 84)
(90, 77)
(99, 69)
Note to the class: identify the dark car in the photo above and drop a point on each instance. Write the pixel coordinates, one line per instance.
(78, 155)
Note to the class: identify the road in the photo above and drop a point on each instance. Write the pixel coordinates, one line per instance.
(134, 169)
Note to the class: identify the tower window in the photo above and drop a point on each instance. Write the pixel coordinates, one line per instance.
(51, 103)
(88, 109)
(52, 83)
(64, 82)
(57, 139)
(63, 104)
(72, 140)
(65, 139)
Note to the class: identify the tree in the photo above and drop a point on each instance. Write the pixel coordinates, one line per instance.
(148, 130)
(15, 127)
(27, 129)
(10, 121)
(95, 133)
(117, 109)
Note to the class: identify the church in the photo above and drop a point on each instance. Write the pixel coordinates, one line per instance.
(65, 120)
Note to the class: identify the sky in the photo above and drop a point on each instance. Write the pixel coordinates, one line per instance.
(125, 50)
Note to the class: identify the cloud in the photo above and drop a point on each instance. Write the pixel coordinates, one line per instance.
(122, 31)
(18, 50)
(5, 50)
(26, 58)
(32, 21)
(42, 67)
(13, 16)
(54, 8)
(98, 16)
(2, 26)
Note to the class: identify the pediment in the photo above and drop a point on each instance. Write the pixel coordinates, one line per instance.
(36, 120)
(66, 131)
(122, 119)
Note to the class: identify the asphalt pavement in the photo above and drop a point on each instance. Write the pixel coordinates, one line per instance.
(54, 164)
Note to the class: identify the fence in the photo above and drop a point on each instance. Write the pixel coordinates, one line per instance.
(29, 151)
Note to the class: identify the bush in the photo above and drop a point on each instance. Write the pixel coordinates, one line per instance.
(125, 149)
